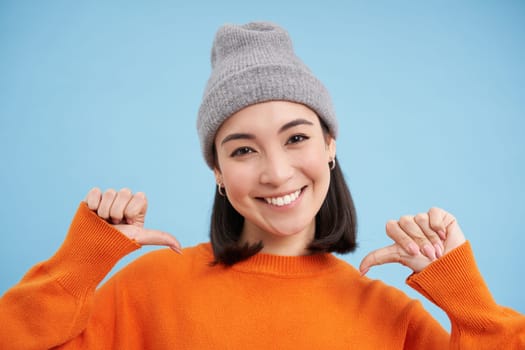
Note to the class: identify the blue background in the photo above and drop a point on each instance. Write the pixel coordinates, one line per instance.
(430, 97)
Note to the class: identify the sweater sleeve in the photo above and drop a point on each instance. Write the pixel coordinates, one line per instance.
(52, 302)
(455, 284)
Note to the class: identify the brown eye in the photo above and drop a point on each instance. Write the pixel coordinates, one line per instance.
(297, 138)
(241, 151)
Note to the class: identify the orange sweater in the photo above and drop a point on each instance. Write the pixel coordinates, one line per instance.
(168, 301)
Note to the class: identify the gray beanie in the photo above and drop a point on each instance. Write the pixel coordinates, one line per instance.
(254, 63)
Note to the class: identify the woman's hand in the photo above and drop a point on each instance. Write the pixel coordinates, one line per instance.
(126, 212)
(419, 240)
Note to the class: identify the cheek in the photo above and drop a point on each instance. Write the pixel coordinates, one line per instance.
(315, 168)
(315, 162)
(238, 179)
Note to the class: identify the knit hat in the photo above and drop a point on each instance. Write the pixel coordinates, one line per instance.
(254, 63)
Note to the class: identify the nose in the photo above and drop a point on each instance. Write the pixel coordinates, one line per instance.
(276, 169)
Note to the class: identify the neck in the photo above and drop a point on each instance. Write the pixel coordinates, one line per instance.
(295, 244)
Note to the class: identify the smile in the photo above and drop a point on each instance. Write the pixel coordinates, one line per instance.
(284, 200)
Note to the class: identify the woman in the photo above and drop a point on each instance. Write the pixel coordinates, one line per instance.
(268, 278)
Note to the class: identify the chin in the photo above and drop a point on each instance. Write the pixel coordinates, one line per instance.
(287, 232)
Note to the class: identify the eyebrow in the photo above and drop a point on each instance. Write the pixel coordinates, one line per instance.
(293, 123)
(246, 136)
(237, 136)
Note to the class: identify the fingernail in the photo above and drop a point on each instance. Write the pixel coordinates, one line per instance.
(439, 251)
(365, 271)
(413, 249)
(429, 251)
(176, 249)
(442, 234)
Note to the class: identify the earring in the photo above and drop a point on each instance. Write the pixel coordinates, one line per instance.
(331, 164)
(219, 189)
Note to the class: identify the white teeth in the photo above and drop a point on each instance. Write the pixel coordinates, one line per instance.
(285, 200)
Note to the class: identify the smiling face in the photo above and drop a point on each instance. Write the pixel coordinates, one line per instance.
(273, 162)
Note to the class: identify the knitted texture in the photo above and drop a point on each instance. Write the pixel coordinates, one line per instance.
(255, 63)
(164, 300)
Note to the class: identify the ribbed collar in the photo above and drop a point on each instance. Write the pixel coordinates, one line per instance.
(286, 266)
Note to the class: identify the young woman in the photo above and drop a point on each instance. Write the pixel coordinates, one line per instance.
(267, 279)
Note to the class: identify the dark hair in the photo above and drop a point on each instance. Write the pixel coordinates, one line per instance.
(335, 225)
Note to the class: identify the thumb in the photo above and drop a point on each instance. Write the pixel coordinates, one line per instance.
(393, 254)
(144, 236)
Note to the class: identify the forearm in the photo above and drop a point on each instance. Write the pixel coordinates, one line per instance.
(454, 284)
(51, 303)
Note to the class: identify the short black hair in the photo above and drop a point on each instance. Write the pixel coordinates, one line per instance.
(335, 225)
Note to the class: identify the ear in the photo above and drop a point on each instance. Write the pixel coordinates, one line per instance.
(218, 175)
(330, 147)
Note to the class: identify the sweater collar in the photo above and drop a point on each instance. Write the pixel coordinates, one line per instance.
(287, 266)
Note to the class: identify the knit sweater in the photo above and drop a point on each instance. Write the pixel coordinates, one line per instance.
(164, 300)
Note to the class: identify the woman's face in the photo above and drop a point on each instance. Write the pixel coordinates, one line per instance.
(273, 162)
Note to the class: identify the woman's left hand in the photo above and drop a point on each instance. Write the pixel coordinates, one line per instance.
(419, 240)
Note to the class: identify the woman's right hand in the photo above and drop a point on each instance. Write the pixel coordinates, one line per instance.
(126, 212)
